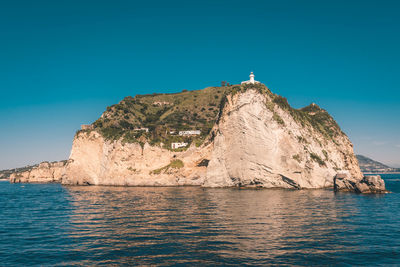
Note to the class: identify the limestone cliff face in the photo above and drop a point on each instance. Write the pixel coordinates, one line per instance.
(254, 148)
(45, 172)
(95, 161)
(253, 143)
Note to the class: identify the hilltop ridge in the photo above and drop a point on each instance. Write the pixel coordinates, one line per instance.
(163, 114)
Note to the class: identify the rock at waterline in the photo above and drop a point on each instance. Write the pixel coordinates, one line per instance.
(368, 185)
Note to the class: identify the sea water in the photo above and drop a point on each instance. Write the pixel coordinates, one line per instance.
(50, 224)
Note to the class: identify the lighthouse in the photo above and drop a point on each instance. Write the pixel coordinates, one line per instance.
(251, 77)
(251, 81)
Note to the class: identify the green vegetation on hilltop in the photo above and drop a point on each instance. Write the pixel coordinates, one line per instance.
(311, 115)
(164, 115)
(157, 118)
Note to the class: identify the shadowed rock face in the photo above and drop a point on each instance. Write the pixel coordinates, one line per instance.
(374, 183)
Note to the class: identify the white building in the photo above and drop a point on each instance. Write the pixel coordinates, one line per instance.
(178, 145)
(251, 81)
(194, 132)
(141, 129)
(161, 103)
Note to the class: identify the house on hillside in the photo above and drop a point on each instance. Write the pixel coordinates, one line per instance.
(192, 132)
(141, 129)
(178, 145)
(161, 103)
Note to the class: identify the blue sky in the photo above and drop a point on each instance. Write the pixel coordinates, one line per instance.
(63, 62)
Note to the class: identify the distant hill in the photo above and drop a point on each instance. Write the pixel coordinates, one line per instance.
(370, 165)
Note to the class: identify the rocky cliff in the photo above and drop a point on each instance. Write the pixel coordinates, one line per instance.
(264, 144)
(256, 141)
(45, 172)
(5, 174)
(96, 161)
(249, 137)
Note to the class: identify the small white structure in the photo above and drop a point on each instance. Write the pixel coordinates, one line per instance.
(178, 145)
(194, 132)
(141, 129)
(161, 103)
(251, 81)
(87, 127)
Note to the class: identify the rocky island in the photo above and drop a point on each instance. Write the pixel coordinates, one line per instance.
(228, 136)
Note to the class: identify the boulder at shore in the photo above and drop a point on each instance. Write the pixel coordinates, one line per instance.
(368, 185)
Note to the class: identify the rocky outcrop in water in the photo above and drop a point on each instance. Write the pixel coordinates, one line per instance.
(369, 184)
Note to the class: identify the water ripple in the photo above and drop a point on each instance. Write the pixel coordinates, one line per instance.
(55, 225)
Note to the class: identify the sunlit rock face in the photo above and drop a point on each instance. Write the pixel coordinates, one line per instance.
(253, 148)
(45, 172)
(95, 161)
(253, 144)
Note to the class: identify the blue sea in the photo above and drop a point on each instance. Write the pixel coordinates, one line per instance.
(50, 224)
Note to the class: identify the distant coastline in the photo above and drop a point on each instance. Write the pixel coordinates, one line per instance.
(381, 172)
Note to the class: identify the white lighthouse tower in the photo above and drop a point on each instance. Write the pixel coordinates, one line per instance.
(251, 81)
(252, 77)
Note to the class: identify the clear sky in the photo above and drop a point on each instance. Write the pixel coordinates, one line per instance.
(63, 62)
